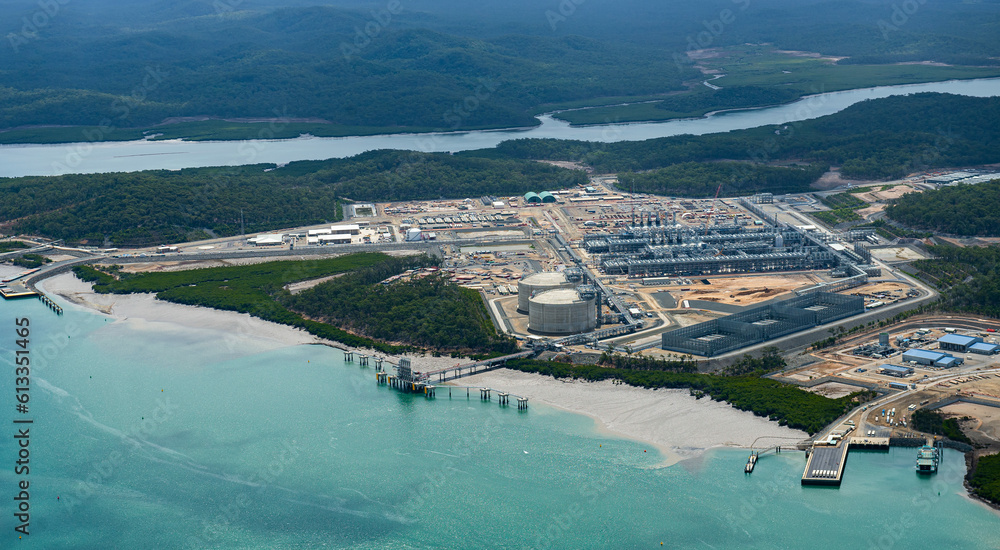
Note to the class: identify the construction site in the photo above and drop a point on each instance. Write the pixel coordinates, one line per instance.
(577, 270)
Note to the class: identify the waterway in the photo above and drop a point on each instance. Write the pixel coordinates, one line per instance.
(40, 160)
(160, 436)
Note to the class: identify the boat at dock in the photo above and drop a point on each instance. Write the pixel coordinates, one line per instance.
(927, 459)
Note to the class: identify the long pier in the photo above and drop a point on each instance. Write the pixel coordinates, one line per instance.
(458, 371)
(409, 381)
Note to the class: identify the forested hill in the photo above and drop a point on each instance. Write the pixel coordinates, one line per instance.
(874, 139)
(421, 63)
(968, 210)
(158, 207)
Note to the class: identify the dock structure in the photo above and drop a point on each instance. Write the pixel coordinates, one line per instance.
(12, 291)
(15, 290)
(363, 360)
(458, 371)
(825, 465)
(409, 381)
(50, 304)
(349, 356)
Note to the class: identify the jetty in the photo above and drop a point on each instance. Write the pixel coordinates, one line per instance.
(409, 381)
(825, 464)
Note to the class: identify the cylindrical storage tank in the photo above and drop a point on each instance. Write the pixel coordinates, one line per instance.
(779, 241)
(539, 282)
(561, 311)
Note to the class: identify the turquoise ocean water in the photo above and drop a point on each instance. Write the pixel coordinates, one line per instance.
(157, 436)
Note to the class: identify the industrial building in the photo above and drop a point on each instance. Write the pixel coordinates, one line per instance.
(983, 348)
(541, 282)
(563, 311)
(537, 198)
(957, 342)
(762, 323)
(931, 358)
(352, 229)
(276, 239)
(893, 370)
(652, 246)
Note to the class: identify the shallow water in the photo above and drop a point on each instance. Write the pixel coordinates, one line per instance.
(165, 437)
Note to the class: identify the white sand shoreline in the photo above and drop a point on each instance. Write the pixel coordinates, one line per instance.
(672, 421)
(677, 424)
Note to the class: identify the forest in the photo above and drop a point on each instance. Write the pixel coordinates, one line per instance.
(426, 311)
(985, 478)
(354, 309)
(875, 139)
(160, 207)
(968, 277)
(967, 210)
(788, 405)
(423, 64)
(933, 422)
(702, 179)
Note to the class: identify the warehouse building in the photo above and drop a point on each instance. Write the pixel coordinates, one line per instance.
(545, 196)
(532, 198)
(762, 323)
(276, 239)
(957, 342)
(935, 358)
(893, 370)
(983, 348)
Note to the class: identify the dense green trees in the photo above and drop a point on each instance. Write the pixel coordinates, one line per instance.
(968, 277)
(961, 210)
(354, 308)
(933, 422)
(985, 478)
(727, 98)
(427, 311)
(30, 261)
(702, 179)
(874, 139)
(157, 207)
(436, 64)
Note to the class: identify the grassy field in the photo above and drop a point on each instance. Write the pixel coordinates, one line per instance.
(763, 67)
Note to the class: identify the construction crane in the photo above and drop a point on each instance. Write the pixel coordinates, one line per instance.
(711, 213)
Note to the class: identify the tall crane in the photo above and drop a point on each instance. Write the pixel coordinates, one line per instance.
(711, 213)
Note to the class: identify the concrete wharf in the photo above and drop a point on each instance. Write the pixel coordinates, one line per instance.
(825, 465)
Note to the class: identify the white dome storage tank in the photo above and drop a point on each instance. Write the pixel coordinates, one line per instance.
(539, 282)
(561, 311)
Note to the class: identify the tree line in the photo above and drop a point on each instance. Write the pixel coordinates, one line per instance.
(162, 206)
(354, 308)
(874, 139)
(968, 210)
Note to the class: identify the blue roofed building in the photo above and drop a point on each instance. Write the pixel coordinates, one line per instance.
(983, 348)
(957, 342)
(893, 370)
(922, 356)
(948, 362)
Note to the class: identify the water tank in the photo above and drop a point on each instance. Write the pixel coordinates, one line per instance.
(561, 311)
(539, 282)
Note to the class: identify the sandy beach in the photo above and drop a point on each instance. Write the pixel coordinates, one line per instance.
(678, 425)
